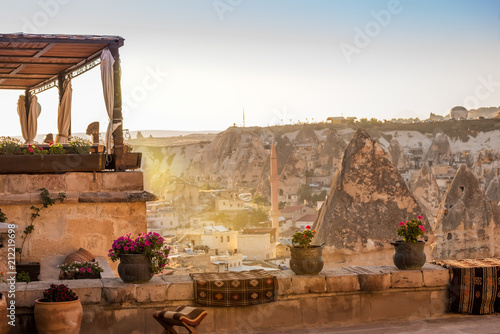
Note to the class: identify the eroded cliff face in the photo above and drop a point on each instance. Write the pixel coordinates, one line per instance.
(426, 191)
(367, 200)
(234, 158)
(467, 223)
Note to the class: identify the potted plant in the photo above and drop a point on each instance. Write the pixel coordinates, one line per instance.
(4, 313)
(409, 252)
(80, 270)
(59, 311)
(140, 257)
(33, 268)
(306, 259)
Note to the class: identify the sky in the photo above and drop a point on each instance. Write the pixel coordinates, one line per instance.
(196, 64)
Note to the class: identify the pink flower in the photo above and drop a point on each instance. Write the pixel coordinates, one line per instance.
(40, 148)
(401, 224)
(420, 217)
(89, 270)
(125, 248)
(132, 248)
(421, 228)
(82, 270)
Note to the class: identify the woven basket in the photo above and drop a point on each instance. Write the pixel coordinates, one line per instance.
(80, 255)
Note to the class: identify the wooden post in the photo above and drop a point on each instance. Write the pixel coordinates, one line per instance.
(117, 112)
(27, 103)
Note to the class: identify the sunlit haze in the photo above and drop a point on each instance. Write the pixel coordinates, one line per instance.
(194, 65)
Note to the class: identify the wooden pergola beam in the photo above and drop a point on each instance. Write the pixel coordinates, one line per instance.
(42, 60)
(25, 76)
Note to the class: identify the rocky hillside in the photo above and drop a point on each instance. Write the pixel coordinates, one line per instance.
(238, 158)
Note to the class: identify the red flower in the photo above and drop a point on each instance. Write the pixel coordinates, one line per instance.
(401, 224)
(308, 227)
(40, 148)
(420, 217)
(30, 149)
(51, 143)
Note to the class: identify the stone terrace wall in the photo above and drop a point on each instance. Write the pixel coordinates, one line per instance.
(99, 208)
(337, 296)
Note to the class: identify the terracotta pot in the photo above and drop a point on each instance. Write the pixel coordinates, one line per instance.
(80, 255)
(134, 268)
(306, 261)
(4, 321)
(58, 317)
(408, 255)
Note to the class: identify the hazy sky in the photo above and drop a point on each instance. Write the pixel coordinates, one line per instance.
(195, 64)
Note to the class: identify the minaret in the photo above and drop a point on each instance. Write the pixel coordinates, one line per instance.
(274, 178)
(243, 117)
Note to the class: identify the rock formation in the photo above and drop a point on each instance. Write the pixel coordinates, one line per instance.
(493, 190)
(367, 200)
(467, 223)
(235, 157)
(397, 155)
(306, 136)
(426, 191)
(440, 150)
(332, 150)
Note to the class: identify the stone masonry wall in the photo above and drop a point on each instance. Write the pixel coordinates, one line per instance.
(99, 208)
(338, 296)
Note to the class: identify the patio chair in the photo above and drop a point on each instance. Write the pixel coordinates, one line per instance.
(184, 316)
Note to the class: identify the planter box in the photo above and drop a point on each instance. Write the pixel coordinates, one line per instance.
(51, 163)
(132, 161)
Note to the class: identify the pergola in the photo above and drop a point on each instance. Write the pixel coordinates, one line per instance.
(35, 63)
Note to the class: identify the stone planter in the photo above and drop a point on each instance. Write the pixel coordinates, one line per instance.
(306, 261)
(4, 320)
(58, 317)
(32, 268)
(408, 255)
(134, 268)
(51, 163)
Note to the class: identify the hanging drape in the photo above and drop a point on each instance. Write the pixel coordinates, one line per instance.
(64, 113)
(29, 123)
(107, 63)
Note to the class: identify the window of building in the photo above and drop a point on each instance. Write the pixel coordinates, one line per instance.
(267, 256)
(228, 238)
(221, 239)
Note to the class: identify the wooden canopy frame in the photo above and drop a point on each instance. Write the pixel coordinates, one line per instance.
(35, 63)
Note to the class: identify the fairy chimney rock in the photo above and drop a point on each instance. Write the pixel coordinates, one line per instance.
(426, 191)
(367, 200)
(468, 223)
(493, 190)
(397, 155)
(440, 150)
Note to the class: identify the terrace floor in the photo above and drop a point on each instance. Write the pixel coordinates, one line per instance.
(451, 324)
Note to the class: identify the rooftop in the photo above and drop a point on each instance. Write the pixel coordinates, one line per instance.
(31, 61)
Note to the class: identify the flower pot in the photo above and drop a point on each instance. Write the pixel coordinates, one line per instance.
(306, 261)
(134, 268)
(408, 255)
(58, 317)
(4, 320)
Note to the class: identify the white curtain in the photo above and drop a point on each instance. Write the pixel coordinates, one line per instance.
(29, 123)
(64, 113)
(107, 62)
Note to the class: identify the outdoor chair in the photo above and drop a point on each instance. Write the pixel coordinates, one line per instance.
(184, 316)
